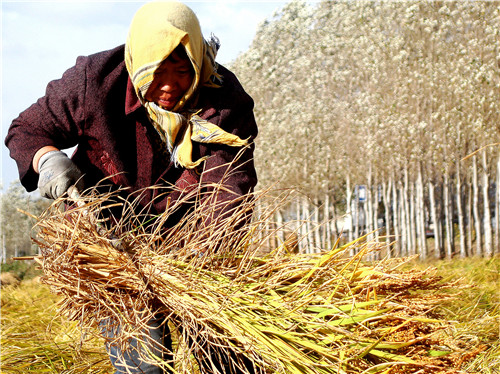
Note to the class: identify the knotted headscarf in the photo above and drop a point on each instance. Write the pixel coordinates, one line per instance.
(157, 29)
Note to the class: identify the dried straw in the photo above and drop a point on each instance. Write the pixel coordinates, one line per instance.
(320, 313)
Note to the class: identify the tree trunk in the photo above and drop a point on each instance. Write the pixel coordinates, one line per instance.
(435, 221)
(475, 207)
(413, 221)
(488, 243)
(386, 196)
(308, 235)
(469, 218)
(403, 219)
(407, 215)
(327, 227)
(442, 223)
(280, 233)
(348, 213)
(369, 206)
(316, 234)
(333, 225)
(4, 250)
(357, 220)
(448, 217)
(375, 213)
(257, 218)
(421, 215)
(300, 226)
(461, 228)
(396, 220)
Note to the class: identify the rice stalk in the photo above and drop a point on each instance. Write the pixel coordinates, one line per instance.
(34, 341)
(317, 313)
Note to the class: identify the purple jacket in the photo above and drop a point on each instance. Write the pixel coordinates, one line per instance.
(94, 106)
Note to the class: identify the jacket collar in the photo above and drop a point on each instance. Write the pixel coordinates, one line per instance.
(132, 102)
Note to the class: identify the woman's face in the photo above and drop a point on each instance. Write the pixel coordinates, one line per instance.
(171, 81)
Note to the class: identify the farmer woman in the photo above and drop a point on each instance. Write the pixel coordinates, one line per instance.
(155, 111)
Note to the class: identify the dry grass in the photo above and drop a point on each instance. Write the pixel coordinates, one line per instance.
(36, 340)
(323, 313)
(475, 310)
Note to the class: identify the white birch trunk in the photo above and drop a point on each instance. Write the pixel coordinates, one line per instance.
(280, 229)
(306, 212)
(413, 220)
(407, 215)
(4, 250)
(488, 242)
(441, 220)
(375, 214)
(333, 225)
(303, 226)
(469, 218)
(448, 217)
(369, 206)
(327, 229)
(421, 215)
(356, 217)
(403, 219)
(386, 194)
(396, 220)
(348, 212)
(372, 213)
(369, 214)
(435, 221)
(461, 225)
(315, 230)
(300, 226)
(475, 207)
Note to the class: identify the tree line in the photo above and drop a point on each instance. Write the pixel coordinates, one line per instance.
(383, 115)
(386, 116)
(16, 227)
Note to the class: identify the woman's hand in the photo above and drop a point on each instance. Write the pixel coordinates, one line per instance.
(57, 174)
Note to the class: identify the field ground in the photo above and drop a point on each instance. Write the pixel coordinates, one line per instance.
(475, 309)
(35, 340)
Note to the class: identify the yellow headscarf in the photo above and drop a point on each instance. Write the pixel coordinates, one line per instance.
(156, 30)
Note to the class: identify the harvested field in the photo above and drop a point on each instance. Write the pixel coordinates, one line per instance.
(321, 313)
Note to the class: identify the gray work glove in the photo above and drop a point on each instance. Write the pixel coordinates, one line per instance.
(57, 174)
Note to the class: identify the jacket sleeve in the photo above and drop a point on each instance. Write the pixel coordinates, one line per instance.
(56, 119)
(229, 173)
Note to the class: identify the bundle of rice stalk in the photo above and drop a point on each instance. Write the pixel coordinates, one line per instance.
(317, 313)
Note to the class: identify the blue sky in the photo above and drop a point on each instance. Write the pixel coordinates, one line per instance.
(41, 39)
